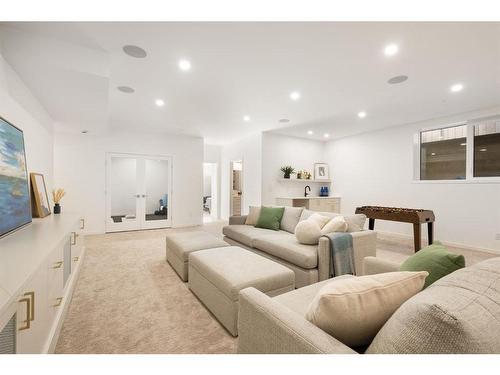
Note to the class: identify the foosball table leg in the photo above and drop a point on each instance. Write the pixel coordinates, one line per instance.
(371, 224)
(430, 232)
(416, 237)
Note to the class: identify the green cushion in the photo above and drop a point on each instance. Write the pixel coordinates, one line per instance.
(434, 259)
(270, 217)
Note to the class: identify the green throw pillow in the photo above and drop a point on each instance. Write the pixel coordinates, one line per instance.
(270, 217)
(434, 259)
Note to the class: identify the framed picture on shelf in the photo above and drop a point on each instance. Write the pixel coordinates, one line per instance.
(40, 201)
(321, 171)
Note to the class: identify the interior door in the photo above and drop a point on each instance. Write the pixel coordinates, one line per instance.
(138, 193)
(156, 192)
(123, 195)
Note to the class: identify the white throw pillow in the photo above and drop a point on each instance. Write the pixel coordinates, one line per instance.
(308, 232)
(253, 215)
(337, 224)
(319, 219)
(354, 309)
(355, 223)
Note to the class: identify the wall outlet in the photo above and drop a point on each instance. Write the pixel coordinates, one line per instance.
(497, 236)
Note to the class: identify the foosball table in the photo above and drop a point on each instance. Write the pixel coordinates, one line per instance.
(405, 215)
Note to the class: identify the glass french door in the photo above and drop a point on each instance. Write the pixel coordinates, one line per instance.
(138, 192)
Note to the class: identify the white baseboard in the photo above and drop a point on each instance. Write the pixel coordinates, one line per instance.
(447, 243)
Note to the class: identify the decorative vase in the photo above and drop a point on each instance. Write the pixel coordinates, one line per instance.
(57, 208)
(286, 176)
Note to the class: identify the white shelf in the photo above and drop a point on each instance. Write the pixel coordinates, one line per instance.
(303, 180)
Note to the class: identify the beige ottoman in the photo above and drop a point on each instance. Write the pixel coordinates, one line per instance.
(180, 245)
(216, 277)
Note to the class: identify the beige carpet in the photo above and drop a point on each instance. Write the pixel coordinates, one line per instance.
(129, 300)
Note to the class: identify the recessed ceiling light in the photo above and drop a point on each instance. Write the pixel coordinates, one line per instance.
(85, 131)
(246, 118)
(326, 135)
(483, 150)
(283, 120)
(361, 114)
(433, 153)
(126, 89)
(159, 102)
(310, 132)
(295, 95)
(184, 65)
(134, 51)
(457, 87)
(391, 49)
(397, 79)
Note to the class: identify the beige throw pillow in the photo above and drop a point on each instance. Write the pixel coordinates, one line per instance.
(319, 219)
(308, 231)
(253, 215)
(354, 309)
(337, 224)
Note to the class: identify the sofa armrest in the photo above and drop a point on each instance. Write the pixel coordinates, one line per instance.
(364, 244)
(237, 220)
(373, 265)
(266, 326)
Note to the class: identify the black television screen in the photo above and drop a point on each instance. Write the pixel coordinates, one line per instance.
(15, 206)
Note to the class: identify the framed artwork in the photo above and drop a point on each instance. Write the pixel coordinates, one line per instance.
(15, 206)
(321, 171)
(40, 201)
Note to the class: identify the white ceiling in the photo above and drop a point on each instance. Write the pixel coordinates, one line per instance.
(249, 69)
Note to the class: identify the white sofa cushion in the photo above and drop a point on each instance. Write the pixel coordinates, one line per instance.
(308, 231)
(285, 246)
(246, 234)
(354, 309)
(290, 219)
(337, 224)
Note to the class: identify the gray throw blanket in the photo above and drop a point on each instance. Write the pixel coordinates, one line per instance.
(341, 254)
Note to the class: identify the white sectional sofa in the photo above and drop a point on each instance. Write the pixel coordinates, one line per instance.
(311, 263)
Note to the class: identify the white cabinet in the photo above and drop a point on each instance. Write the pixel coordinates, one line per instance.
(322, 204)
(38, 269)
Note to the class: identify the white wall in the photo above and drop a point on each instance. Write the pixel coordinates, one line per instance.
(377, 169)
(279, 150)
(80, 169)
(21, 108)
(248, 150)
(207, 179)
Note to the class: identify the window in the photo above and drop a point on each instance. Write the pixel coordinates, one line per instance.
(469, 151)
(443, 153)
(487, 149)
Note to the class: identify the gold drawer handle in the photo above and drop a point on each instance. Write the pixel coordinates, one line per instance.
(58, 303)
(75, 259)
(73, 238)
(82, 223)
(32, 295)
(57, 265)
(28, 309)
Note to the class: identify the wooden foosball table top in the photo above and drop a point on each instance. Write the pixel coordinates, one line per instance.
(407, 215)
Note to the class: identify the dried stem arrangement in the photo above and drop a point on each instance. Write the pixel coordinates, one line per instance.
(57, 195)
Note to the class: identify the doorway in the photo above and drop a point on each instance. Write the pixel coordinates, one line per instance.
(138, 192)
(236, 182)
(210, 192)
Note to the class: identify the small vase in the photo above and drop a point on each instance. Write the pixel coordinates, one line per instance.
(57, 208)
(286, 176)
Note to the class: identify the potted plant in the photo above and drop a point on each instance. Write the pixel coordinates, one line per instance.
(57, 195)
(287, 171)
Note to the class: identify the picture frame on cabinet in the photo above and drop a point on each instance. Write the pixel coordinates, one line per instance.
(321, 171)
(40, 201)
